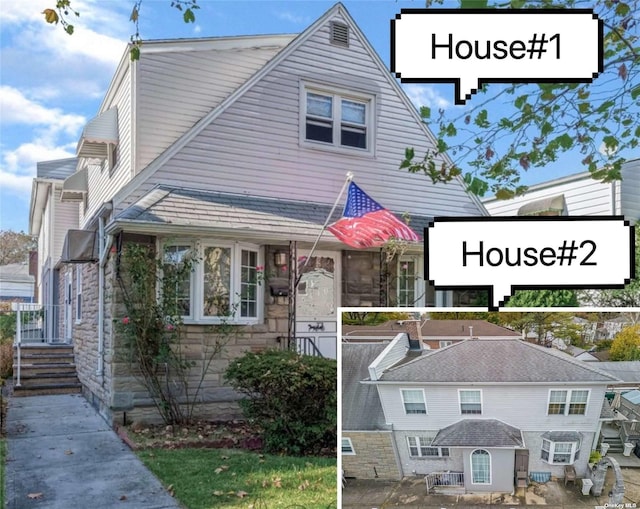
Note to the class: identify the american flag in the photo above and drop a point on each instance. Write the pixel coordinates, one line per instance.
(366, 223)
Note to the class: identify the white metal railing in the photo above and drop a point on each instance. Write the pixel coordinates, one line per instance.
(445, 479)
(39, 324)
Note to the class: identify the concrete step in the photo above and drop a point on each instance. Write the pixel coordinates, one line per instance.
(46, 390)
(45, 358)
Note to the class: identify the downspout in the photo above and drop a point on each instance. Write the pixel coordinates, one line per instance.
(104, 246)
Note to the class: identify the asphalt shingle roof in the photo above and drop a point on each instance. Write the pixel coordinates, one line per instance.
(478, 433)
(434, 328)
(192, 207)
(361, 408)
(627, 371)
(496, 360)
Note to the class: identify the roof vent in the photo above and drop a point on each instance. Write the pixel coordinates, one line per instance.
(339, 34)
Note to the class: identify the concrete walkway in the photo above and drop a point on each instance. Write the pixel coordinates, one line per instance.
(63, 455)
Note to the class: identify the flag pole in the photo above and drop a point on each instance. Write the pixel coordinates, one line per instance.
(324, 226)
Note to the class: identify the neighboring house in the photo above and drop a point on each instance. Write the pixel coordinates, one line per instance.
(580, 354)
(577, 195)
(476, 413)
(237, 154)
(50, 218)
(368, 448)
(16, 283)
(435, 333)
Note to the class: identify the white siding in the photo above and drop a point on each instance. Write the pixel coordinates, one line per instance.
(394, 352)
(176, 89)
(524, 407)
(630, 190)
(66, 218)
(103, 183)
(583, 195)
(253, 147)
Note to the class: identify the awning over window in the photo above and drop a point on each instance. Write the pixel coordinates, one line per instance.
(99, 135)
(552, 206)
(74, 186)
(562, 436)
(80, 246)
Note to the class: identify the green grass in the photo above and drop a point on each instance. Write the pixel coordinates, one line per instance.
(231, 478)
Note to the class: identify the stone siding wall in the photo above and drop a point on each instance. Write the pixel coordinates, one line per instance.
(374, 456)
(533, 440)
(361, 283)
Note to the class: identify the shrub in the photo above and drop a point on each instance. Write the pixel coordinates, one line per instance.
(6, 360)
(291, 397)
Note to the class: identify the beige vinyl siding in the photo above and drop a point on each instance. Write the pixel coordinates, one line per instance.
(524, 407)
(583, 195)
(179, 88)
(65, 218)
(253, 147)
(103, 182)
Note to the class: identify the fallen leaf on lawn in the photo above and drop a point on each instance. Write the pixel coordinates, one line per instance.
(68, 452)
(242, 494)
(277, 482)
(123, 497)
(34, 496)
(304, 485)
(221, 468)
(218, 493)
(224, 457)
(171, 491)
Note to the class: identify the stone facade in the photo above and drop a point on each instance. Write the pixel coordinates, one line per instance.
(374, 458)
(361, 279)
(533, 440)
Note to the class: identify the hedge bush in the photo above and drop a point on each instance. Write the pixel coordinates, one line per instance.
(291, 397)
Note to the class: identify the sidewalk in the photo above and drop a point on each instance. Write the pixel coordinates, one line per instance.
(62, 454)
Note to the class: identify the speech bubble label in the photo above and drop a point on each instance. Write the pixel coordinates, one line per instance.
(474, 46)
(505, 254)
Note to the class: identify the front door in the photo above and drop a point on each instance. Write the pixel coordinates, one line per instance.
(317, 301)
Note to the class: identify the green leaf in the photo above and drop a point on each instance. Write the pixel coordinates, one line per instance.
(635, 92)
(451, 130)
(442, 146)
(134, 53)
(189, 16)
(565, 141)
(481, 119)
(69, 29)
(520, 101)
(584, 107)
(517, 4)
(409, 153)
(473, 4)
(425, 112)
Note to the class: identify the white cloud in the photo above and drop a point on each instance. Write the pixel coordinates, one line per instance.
(425, 95)
(296, 19)
(18, 109)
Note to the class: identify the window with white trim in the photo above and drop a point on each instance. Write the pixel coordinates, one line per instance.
(419, 447)
(480, 467)
(408, 281)
(568, 402)
(414, 401)
(445, 342)
(470, 401)
(78, 293)
(223, 285)
(339, 119)
(559, 453)
(347, 447)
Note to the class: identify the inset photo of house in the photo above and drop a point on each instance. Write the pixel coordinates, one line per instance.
(511, 406)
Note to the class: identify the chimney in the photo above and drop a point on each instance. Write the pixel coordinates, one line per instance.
(470, 331)
(414, 331)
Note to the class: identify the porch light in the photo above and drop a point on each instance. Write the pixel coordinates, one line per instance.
(280, 259)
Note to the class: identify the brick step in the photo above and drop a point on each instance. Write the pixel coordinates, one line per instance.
(48, 379)
(46, 390)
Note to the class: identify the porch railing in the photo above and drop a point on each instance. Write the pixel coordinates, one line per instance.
(444, 479)
(305, 345)
(39, 324)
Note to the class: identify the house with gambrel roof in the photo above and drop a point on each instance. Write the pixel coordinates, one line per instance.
(478, 415)
(234, 149)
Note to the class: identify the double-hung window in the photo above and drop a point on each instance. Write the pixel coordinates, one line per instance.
(568, 402)
(408, 281)
(419, 448)
(413, 401)
(347, 446)
(470, 401)
(338, 119)
(223, 284)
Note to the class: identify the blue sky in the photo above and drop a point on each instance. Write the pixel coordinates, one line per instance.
(52, 83)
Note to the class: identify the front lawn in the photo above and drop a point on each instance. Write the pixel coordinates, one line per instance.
(233, 478)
